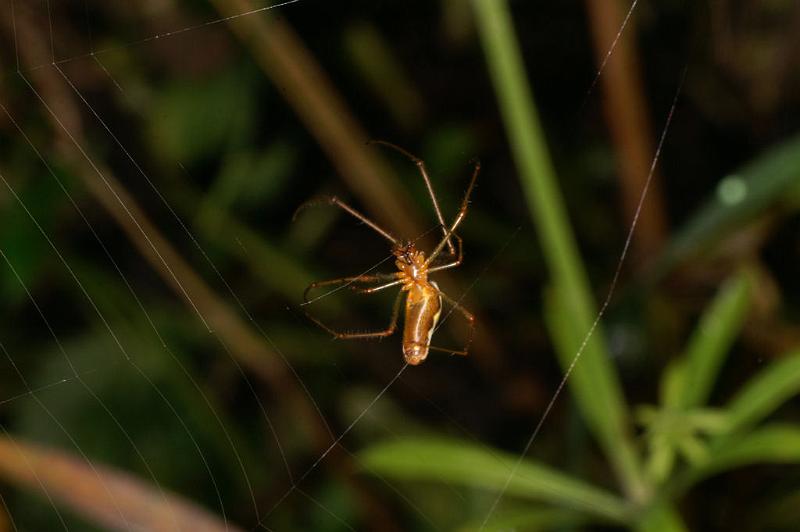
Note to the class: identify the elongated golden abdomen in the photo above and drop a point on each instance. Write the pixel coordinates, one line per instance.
(423, 308)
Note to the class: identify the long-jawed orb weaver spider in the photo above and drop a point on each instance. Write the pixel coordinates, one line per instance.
(423, 299)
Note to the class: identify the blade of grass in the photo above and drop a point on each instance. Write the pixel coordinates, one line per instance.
(775, 443)
(595, 383)
(593, 394)
(765, 392)
(437, 460)
(661, 517)
(772, 444)
(718, 327)
(376, 64)
(743, 195)
(274, 268)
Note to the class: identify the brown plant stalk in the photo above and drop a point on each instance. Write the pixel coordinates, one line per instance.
(627, 116)
(109, 497)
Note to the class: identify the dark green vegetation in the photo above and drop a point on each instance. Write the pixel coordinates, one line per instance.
(150, 325)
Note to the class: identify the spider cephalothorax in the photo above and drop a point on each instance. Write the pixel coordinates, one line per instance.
(423, 297)
(411, 264)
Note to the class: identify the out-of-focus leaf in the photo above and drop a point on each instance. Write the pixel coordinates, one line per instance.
(274, 267)
(765, 392)
(740, 196)
(711, 340)
(433, 459)
(194, 118)
(771, 444)
(21, 240)
(676, 426)
(102, 495)
(446, 149)
(669, 431)
(377, 65)
(661, 517)
(591, 380)
(332, 509)
(250, 179)
(185, 416)
(672, 382)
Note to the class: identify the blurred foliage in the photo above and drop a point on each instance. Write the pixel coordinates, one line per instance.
(681, 412)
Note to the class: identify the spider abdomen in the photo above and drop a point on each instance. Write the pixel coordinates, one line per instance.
(423, 308)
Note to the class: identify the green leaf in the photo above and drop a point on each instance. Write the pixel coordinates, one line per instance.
(441, 460)
(717, 330)
(248, 179)
(661, 517)
(774, 444)
(672, 382)
(25, 253)
(740, 197)
(671, 430)
(765, 392)
(591, 380)
(270, 264)
(374, 60)
(194, 118)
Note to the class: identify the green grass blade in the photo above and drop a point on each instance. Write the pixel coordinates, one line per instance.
(741, 196)
(275, 268)
(661, 517)
(441, 460)
(718, 327)
(594, 373)
(765, 392)
(593, 393)
(774, 443)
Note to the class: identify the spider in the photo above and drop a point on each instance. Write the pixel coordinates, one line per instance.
(423, 297)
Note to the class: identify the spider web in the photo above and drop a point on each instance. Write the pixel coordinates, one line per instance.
(80, 378)
(139, 223)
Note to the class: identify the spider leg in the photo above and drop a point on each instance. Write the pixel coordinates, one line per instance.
(348, 281)
(373, 289)
(455, 263)
(470, 321)
(424, 171)
(462, 212)
(383, 333)
(333, 200)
